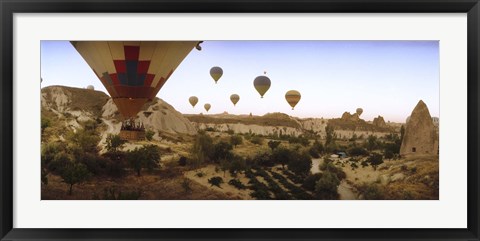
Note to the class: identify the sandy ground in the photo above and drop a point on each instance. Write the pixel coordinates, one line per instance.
(227, 189)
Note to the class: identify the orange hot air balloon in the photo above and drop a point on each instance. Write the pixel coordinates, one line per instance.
(207, 107)
(293, 97)
(133, 72)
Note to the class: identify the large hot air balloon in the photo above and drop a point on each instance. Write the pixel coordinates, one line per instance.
(207, 107)
(262, 84)
(234, 98)
(216, 73)
(133, 72)
(193, 100)
(293, 97)
(359, 111)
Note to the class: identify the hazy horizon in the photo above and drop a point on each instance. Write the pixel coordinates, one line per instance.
(384, 78)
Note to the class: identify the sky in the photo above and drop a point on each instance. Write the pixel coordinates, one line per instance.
(385, 78)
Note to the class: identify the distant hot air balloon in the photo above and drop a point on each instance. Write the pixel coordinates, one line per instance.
(234, 98)
(133, 71)
(359, 111)
(90, 87)
(193, 101)
(293, 97)
(216, 72)
(262, 84)
(207, 107)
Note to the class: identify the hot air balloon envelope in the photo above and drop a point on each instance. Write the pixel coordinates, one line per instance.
(193, 100)
(216, 73)
(262, 84)
(133, 71)
(234, 98)
(293, 97)
(359, 111)
(207, 107)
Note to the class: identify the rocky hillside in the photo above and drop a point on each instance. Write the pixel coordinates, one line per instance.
(69, 107)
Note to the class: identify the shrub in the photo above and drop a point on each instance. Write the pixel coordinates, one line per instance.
(215, 181)
(257, 140)
(147, 156)
(111, 193)
(375, 160)
(236, 183)
(114, 143)
(300, 163)
(281, 155)
(273, 144)
(310, 181)
(221, 151)
(357, 151)
(74, 173)
(182, 161)
(149, 135)
(236, 140)
(326, 187)
(372, 191)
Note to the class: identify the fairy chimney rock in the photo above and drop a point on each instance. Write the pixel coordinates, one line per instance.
(420, 136)
(379, 122)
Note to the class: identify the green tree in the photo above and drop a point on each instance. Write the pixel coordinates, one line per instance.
(74, 173)
(402, 133)
(147, 156)
(222, 151)
(326, 187)
(114, 143)
(215, 181)
(257, 140)
(330, 135)
(282, 156)
(375, 159)
(149, 135)
(371, 143)
(202, 149)
(300, 163)
(84, 140)
(236, 140)
(273, 144)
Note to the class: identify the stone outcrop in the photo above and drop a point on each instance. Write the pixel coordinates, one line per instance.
(421, 137)
(76, 105)
(350, 117)
(379, 122)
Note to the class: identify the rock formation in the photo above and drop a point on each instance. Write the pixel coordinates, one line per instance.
(379, 122)
(420, 135)
(76, 105)
(350, 117)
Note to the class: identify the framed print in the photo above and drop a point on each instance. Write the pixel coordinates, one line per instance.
(259, 120)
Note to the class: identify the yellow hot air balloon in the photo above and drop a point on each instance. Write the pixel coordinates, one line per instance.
(359, 111)
(193, 101)
(262, 84)
(207, 107)
(293, 97)
(216, 73)
(234, 98)
(133, 72)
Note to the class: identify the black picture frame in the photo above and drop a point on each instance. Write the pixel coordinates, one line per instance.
(9, 7)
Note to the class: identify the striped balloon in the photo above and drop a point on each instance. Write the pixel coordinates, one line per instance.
(293, 97)
(262, 84)
(133, 72)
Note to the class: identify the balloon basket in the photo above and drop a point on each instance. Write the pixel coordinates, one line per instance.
(132, 135)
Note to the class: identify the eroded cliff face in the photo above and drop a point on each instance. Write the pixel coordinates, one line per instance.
(70, 107)
(421, 136)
